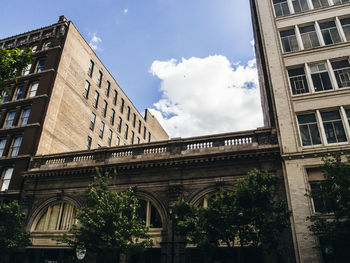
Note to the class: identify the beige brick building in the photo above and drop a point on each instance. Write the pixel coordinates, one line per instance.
(303, 49)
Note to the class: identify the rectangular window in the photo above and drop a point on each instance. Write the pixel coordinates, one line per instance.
(320, 3)
(104, 108)
(330, 33)
(300, 5)
(120, 124)
(115, 97)
(134, 120)
(40, 66)
(92, 121)
(26, 71)
(345, 22)
(9, 119)
(126, 131)
(333, 127)
(88, 143)
(309, 36)
(102, 128)
(320, 205)
(138, 140)
(289, 40)
(342, 72)
(2, 146)
(18, 93)
(110, 135)
(144, 132)
(139, 128)
(33, 89)
(25, 117)
(5, 97)
(297, 79)
(6, 178)
(309, 130)
(16, 144)
(149, 137)
(320, 77)
(91, 68)
(132, 137)
(112, 117)
(99, 80)
(347, 111)
(97, 96)
(122, 106)
(86, 89)
(128, 113)
(117, 141)
(108, 88)
(281, 7)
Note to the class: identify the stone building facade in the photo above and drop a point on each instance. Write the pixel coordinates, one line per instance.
(303, 49)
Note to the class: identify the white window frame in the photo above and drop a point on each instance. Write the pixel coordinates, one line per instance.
(6, 176)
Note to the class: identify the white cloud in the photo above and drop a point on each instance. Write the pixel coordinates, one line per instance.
(94, 41)
(126, 10)
(207, 95)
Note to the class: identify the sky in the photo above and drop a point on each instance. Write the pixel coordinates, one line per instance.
(191, 62)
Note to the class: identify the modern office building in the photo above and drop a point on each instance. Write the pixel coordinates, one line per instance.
(66, 100)
(303, 49)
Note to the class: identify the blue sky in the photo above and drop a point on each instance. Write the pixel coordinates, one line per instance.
(138, 40)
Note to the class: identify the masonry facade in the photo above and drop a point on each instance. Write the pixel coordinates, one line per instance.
(303, 50)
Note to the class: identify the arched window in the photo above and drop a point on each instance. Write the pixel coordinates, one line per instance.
(148, 212)
(56, 216)
(48, 45)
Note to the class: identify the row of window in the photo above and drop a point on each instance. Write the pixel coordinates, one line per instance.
(318, 77)
(10, 120)
(324, 127)
(19, 92)
(315, 35)
(286, 7)
(14, 146)
(39, 67)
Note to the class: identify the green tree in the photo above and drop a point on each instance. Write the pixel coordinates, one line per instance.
(12, 234)
(334, 192)
(108, 225)
(12, 63)
(250, 216)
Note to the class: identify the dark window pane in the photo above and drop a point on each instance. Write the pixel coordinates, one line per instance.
(330, 115)
(315, 135)
(307, 118)
(328, 128)
(305, 135)
(156, 221)
(339, 131)
(296, 72)
(142, 209)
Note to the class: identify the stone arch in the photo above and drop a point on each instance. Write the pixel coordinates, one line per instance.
(195, 197)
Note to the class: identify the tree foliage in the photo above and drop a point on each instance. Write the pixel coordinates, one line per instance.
(334, 228)
(12, 234)
(108, 224)
(12, 63)
(249, 216)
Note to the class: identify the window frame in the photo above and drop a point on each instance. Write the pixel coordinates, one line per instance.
(86, 89)
(102, 128)
(15, 146)
(4, 186)
(91, 68)
(24, 117)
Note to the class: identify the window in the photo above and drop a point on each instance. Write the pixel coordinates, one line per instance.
(104, 108)
(112, 117)
(97, 96)
(309, 36)
(337, 2)
(120, 124)
(330, 33)
(110, 135)
(88, 143)
(320, 77)
(300, 5)
(347, 111)
(309, 130)
(108, 88)
(5, 97)
(281, 7)
(144, 132)
(2, 146)
(25, 117)
(132, 137)
(115, 97)
(26, 71)
(289, 40)
(138, 140)
(6, 178)
(18, 93)
(118, 141)
(57, 216)
(128, 113)
(40, 66)
(16, 144)
(99, 80)
(149, 137)
(298, 81)
(134, 120)
(92, 121)
(317, 182)
(98, 145)
(320, 3)
(86, 89)
(333, 127)
(9, 119)
(102, 128)
(342, 72)
(34, 48)
(345, 22)
(126, 131)
(91, 68)
(122, 106)
(149, 213)
(48, 45)
(33, 89)
(139, 129)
